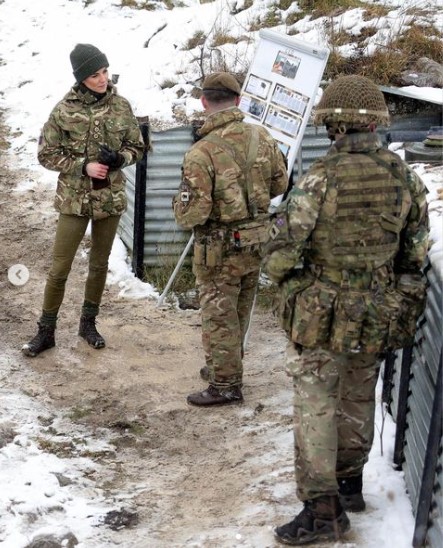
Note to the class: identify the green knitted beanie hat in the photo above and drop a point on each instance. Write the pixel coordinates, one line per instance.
(86, 59)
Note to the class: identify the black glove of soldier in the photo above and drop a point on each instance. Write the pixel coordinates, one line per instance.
(110, 157)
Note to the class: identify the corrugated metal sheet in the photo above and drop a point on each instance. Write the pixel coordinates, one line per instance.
(126, 226)
(163, 239)
(435, 531)
(315, 141)
(421, 393)
(396, 384)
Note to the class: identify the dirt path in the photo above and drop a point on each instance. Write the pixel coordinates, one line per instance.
(208, 478)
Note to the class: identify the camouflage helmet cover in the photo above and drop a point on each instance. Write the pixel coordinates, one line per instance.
(352, 99)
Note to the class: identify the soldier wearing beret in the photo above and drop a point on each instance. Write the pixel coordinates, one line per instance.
(346, 249)
(229, 177)
(91, 134)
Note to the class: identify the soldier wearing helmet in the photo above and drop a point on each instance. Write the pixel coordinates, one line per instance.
(346, 249)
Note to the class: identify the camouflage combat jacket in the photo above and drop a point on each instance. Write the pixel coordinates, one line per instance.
(214, 189)
(346, 248)
(70, 138)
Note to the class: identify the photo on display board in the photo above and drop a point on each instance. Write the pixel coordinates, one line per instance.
(258, 86)
(252, 106)
(282, 121)
(290, 99)
(286, 65)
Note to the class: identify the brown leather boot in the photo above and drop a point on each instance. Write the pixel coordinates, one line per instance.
(322, 519)
(216, 396)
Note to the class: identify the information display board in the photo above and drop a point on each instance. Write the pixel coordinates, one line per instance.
(280, 88)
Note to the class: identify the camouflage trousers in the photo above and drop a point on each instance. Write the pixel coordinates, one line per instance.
(334, 404)
(70, 232)
(226, 298)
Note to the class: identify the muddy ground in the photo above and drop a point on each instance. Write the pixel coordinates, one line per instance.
(217, 477)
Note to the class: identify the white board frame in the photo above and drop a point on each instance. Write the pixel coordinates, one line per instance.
(280, 88)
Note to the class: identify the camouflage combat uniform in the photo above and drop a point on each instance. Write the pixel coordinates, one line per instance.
(70, 138)
(76, 127)
(229, 214)
(346, 249)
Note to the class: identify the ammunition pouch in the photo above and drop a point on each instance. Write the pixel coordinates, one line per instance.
(216, 241)
(411, 297)
(209, 253)
(313, 314)
(284, 303)
(350, 311)
(346, 327)
(248, 236)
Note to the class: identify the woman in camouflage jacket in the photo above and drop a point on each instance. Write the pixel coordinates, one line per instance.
(90, 136)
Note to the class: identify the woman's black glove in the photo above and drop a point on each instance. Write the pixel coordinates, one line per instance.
(110, 157)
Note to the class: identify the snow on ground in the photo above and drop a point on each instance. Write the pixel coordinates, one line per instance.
(35, 72)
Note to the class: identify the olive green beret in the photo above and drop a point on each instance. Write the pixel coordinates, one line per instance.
(221, 81)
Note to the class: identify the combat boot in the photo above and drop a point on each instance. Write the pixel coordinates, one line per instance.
(350, 493)
(88, 331)
(322, 519)
(44, 340)
(216, 396)
(204, 373)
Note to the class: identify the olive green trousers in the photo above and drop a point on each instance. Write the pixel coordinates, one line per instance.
(70, 232)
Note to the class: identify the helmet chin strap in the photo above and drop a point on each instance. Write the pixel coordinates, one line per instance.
(336, 129)
(341, 128)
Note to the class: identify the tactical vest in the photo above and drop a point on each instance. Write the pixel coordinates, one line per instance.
(246, 190)
(219, 237)
(365, 208)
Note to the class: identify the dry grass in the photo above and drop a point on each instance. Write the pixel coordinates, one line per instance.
(197, 39)
(293, 18)
(168, 83)
(386, 65)
(337, 36)
(266, 296)
(149, 6)
(271, 19)
(221, 38)
(374, 11)
(284, 4)
(158, 276)
(420, 41)
(323, 8)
